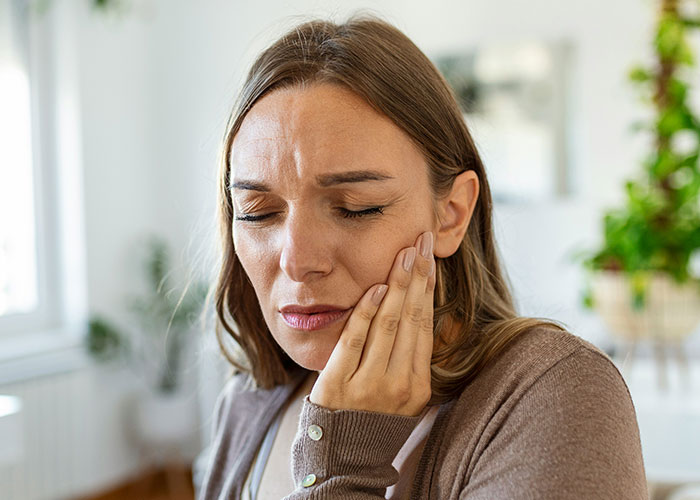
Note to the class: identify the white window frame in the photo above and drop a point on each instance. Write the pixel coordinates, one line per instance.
(60, 322)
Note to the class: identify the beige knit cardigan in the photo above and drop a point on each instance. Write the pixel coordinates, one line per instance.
(550, 418)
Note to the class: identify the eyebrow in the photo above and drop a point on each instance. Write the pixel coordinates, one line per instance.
(323, 180)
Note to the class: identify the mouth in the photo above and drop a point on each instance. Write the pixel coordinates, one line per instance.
(309, 321)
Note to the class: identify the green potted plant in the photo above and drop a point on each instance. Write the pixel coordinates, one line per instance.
(641, 280)
(165, 323)
(167, 317)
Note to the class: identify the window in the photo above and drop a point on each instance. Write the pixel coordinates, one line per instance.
(31, 299)
(18, 259)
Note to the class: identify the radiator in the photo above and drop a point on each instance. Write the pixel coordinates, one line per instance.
(74, 442)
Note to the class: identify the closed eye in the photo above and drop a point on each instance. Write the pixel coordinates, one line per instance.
(344, 212)
(349, 214)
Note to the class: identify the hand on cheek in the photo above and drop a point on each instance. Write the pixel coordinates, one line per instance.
(381, 362)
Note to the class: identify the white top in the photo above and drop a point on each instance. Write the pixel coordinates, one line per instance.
(405, 463)
(252, 482)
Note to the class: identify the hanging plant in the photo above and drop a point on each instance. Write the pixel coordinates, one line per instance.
(658, 227)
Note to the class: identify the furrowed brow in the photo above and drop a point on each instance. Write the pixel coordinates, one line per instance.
(327, 180)
(250, 186)
(324, 180)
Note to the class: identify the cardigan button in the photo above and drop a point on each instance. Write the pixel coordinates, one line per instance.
(309, 480)
(315, 432)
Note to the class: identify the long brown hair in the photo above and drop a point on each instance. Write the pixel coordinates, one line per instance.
(474, 315)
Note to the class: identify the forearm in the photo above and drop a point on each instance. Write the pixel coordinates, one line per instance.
(349, 452)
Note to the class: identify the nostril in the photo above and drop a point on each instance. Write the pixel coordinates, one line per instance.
(302, 266)
(305, 252)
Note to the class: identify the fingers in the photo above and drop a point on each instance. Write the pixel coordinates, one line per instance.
(424, 343)
(345, 358)
(380, 338)
(400, 313)
(417, 312)
(381, 361)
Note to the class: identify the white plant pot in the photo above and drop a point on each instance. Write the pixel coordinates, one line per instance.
(166, 420)
(670, 314)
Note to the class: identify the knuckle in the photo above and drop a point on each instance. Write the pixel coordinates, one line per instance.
(355, 343)
(402, 283)
(401, 392)
(427, 324)
(365, 315)
(389, 322)
(414, 313)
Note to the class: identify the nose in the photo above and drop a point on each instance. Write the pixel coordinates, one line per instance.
(306, 254)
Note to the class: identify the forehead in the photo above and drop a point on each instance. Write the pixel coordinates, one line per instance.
(317, 131)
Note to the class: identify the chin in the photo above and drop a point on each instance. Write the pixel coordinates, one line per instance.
(315, 361)
(311, 355)
(311, 364)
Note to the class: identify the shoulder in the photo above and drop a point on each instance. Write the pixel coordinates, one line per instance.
(240, 399)
(559, 400)
(550, 364)
(542, 347)
(241, 402)
(548, 350)
(235, 385)
(547, 359)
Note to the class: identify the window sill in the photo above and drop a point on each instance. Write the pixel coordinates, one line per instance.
(40, 354)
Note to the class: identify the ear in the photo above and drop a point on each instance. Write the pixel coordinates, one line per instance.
(455, 211)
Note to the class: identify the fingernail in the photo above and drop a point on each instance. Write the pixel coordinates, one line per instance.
(426, 244)
(408, 258)
(379, 293)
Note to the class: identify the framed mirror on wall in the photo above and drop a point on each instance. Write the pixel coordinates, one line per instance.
(515, 101)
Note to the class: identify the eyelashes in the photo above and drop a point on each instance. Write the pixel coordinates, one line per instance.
(350, 214)
(345, 213)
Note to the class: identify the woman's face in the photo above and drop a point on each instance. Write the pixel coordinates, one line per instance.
(302, 160)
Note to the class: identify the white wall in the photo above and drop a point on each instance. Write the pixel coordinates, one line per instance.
(201, 52)
(121, 190)
(157, 84)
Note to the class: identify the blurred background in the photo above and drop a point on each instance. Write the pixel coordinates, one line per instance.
(111, 116)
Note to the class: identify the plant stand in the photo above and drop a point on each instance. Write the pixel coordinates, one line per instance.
(666, 354)
(671, 313)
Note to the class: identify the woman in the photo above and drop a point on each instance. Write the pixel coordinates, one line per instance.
(379, 353)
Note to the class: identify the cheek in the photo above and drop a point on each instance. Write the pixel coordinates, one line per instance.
(257, 259)
(371, 258)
